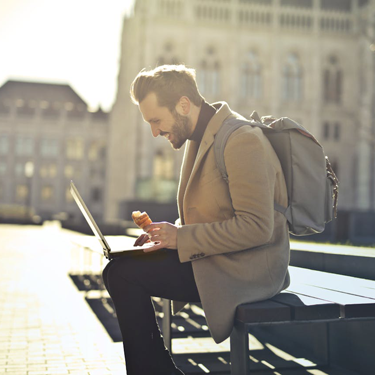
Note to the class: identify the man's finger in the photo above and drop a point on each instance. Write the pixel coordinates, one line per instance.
(141, 240)
(154, 227)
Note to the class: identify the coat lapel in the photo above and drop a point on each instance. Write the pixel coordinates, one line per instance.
(193, 157)
(186, 168)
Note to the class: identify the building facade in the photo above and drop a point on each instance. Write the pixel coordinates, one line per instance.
(306, 59)
(48, 138)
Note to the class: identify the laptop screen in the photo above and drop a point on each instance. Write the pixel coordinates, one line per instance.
(90, 220)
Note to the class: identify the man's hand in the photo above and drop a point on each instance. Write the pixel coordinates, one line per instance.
(163, 234)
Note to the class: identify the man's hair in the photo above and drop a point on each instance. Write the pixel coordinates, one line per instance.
(169, 83)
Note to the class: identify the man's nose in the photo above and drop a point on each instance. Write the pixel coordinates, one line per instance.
(155, 130)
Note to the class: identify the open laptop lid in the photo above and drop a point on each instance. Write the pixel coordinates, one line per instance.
(90, 220)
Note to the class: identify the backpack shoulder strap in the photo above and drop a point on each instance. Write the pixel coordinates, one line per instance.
(227, 128)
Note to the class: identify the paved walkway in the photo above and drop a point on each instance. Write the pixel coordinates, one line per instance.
(46, 327)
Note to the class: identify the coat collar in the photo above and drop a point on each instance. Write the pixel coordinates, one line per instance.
(222, 112)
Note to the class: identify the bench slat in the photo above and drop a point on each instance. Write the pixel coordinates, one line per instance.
(265, 311)
(351, 306)
(348, 284)
(308, 308)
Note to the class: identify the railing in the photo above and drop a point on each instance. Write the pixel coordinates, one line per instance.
(261, 15)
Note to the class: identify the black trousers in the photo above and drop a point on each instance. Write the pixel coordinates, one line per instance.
(131, 281)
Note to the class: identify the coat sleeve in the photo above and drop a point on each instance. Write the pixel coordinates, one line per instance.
(251, 186)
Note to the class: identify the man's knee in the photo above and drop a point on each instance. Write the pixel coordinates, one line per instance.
(108, 271)
(118, 272)
(106, 268)
(105, 273)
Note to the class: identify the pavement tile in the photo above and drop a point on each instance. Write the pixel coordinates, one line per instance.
(46, 326)
(76, 367)
(99, 372)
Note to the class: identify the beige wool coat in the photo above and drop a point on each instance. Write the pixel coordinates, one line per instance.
(237, 243)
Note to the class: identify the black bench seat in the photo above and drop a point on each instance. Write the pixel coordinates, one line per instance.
(313, 297)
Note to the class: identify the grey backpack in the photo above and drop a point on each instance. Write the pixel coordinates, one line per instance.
(310, 180)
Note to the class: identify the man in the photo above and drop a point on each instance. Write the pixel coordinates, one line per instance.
(229, 247)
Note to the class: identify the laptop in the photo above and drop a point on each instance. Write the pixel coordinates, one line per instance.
(107, 251)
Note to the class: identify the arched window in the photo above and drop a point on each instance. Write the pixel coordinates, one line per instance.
(208, 74)
(168, 55)
(292, 79)
(251, 79)
(332, 80)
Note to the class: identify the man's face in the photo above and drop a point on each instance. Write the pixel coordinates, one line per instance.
(175, 127)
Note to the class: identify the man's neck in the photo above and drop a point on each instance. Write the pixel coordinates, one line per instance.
(195, 111)
(206, 112)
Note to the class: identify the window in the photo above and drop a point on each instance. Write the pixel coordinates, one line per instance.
(5, 107)
(168, 55)
(20, 103)
(22, 192)
(332, 131)
(69, 106)
(332, 80)
(49, 147)
(19, 169)
(71, 171)
(48, 170)
(251, 77)
(96, 194)
(75, 111)
(4, 144)
(74, 149)
(46, 193)
(292, 79)
(24, 146)
(336, 133)
(44, 104)
(68, 195)
(50, 110)
(96, 150)
(208, 74)
(25, 108)
(3, 168)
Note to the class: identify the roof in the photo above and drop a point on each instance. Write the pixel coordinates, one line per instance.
(100, 115)
(51, 92)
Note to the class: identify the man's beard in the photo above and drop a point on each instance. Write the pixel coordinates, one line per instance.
(181, 130)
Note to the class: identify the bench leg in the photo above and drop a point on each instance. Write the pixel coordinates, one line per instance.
(239, 351)
(166, 324)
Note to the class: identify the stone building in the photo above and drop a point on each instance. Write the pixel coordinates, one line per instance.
(47, 138)
(306, 59)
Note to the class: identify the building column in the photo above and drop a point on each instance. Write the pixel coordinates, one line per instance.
(365, 140)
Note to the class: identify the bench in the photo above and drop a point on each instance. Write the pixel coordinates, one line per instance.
(313, 297)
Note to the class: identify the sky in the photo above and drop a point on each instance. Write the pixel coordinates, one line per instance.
(64, 41)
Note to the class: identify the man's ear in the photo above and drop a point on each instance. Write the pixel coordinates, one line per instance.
(183, 106)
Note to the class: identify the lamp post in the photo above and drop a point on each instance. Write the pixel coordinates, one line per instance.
(29, 173)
